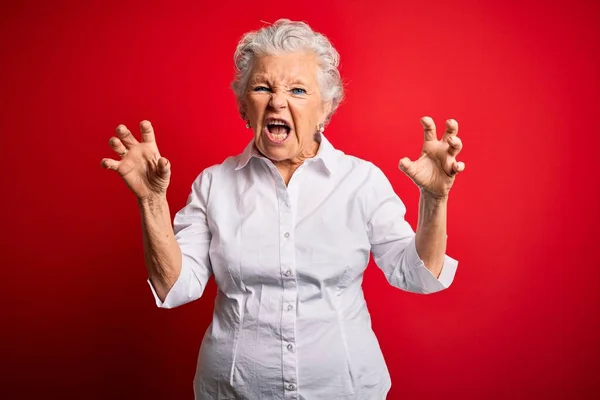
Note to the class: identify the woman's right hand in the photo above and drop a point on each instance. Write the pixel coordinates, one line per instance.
(145, 172)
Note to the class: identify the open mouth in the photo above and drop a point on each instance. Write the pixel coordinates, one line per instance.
(277, 130)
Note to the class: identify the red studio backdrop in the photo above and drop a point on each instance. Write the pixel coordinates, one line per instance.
(521, 320)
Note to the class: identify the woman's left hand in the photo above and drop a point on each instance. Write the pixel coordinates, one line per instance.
(434, 172)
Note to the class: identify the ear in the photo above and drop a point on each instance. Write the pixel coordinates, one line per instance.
(327, 105)
(242, 110)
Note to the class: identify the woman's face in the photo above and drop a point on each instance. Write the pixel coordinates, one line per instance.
(284, 107)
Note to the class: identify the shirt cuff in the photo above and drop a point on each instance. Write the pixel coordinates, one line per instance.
(177, 292)
(424, 278)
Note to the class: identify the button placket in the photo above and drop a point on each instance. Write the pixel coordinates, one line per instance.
(289, 296)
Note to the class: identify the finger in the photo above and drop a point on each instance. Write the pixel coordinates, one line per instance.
(164, 167)
(457, 166)
(407, 166)
(126, 136)
(108, 163)
(455, 145)
(429, 129)
(451, 128)
(117, 146)
(147, 132)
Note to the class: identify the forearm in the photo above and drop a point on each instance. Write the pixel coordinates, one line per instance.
(431, 236)
(161, 250)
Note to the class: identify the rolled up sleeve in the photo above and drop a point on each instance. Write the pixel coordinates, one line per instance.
(187, 288)
(393, 242)
(193, 236)
(417, 277)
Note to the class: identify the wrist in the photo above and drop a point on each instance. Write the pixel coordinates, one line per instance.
(152, 202)
(433, 197)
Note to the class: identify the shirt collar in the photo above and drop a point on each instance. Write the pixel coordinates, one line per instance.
(326, 155)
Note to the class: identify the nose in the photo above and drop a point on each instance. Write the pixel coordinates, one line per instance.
(278, 100)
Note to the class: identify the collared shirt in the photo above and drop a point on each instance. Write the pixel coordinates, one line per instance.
(290, 319)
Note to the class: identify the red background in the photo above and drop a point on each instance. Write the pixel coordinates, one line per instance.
(522, 78)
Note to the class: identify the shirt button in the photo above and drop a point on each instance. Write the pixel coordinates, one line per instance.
(290, 347)
(286, 235)
(288, 272)
(290, 307)
(291, 386)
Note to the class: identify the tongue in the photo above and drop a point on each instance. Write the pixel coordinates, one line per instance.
(278, 129)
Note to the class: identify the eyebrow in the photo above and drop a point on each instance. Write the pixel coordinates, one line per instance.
(298, 81)
(264, 78)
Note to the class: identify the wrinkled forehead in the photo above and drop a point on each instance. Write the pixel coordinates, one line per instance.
(285, 69)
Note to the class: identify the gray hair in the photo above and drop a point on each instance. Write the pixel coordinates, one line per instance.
(285, 36)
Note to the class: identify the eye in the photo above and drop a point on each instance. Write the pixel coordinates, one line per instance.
(298, 91)
(261, 89)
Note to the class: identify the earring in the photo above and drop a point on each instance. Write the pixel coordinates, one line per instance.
(247, 125)
(321, 128)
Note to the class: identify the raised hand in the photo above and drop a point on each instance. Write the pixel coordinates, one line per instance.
(435, 170)
(142, 168)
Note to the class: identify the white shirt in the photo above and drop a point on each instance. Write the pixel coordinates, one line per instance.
(290, 320)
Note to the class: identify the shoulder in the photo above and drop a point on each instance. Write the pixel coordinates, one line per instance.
(371, 185)
(208, 181)
(358, 167)
(219, 170)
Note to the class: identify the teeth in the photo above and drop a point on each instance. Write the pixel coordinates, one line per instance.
(279, 136)
(276, 122)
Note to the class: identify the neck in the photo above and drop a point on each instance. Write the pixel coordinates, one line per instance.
(287, 168)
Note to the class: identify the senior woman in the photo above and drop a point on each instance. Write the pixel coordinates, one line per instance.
(287, 228)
